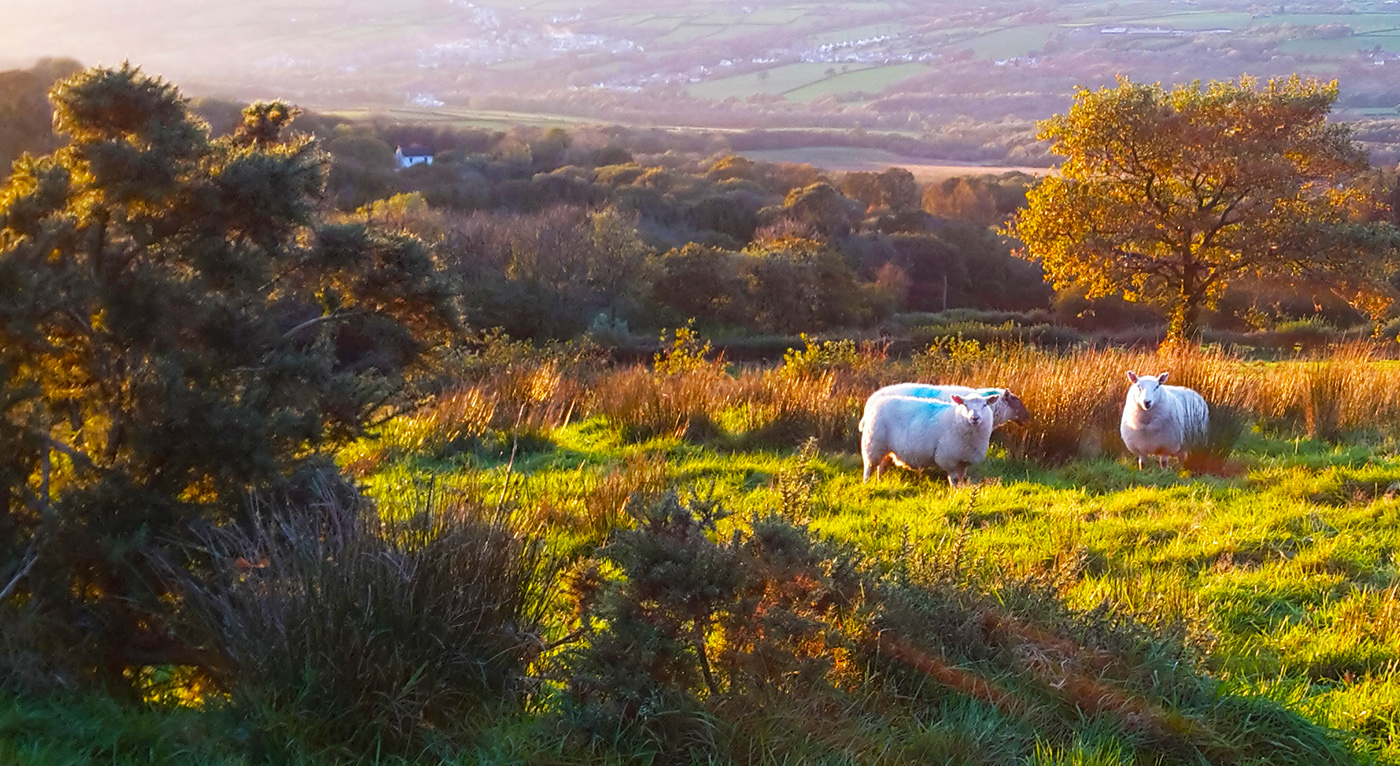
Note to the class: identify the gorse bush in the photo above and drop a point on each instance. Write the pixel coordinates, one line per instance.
(177, 328)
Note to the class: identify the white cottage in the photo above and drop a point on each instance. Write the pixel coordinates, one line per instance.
(413, 155)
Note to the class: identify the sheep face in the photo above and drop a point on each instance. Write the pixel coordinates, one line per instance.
(1019, 413)
(1146, 390)
(974, 408)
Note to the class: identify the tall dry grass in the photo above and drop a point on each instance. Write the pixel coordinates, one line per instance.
(359, 634)
(1075, 397)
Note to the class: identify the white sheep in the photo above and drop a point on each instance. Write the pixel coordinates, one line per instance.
(1007, 409)
(1166, 421)
(915, 432)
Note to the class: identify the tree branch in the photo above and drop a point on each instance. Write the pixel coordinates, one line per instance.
(334, 316)
(30, 557)
(77, 455)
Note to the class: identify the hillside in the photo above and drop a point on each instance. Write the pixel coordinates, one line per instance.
(906, 67)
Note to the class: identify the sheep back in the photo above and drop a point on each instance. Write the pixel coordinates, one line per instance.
(919, 432)
(1007, 409)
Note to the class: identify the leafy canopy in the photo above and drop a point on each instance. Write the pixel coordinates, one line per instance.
(1169, 196)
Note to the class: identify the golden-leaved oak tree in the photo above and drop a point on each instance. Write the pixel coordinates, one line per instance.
(1169, 195)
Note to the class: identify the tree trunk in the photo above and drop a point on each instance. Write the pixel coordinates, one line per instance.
(1185, 319)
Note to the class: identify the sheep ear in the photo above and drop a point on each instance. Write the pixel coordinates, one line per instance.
(957, 399)
(1162, 378)
(993, 399)
(1132, 376)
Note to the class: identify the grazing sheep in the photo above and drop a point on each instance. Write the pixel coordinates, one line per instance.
(915, 432)
(1008, 407)
(1166, 421)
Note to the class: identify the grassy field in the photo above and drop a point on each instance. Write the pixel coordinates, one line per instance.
(1009, 43)
(1067, 609)
(872, 80)
(1389, 41)
(1284, 574)
(843, 159)
(1276, 569)
(776, 81)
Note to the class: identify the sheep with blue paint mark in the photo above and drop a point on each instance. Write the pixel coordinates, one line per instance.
(1162, 421)
(916, 432)
(1007, 409)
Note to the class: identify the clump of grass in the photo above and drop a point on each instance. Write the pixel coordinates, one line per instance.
(360, 636)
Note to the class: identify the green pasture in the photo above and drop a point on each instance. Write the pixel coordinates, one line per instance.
(737, 30)
(1343, 46)
(689, 32)
(1192, 20)
(485, 118)
(1010, 42)
(1361, 22)
(775, 81)
(668, 23)
(871, 80)
(1281, 576)
(1284, 571)
(774, 16)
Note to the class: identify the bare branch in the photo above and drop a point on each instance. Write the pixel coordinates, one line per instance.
(30, 557)
(334, 316)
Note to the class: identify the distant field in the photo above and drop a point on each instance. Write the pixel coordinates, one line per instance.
(1344, 46)
(1009, 43)
(488, 119)
(1361, 22)
(871, 80)
(845, 159)
(689, 32)
(775, 81)
(1192, 20)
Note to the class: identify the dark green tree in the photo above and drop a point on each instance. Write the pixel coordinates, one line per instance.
(177, 330)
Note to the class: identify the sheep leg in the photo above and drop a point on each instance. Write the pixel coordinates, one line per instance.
(1139, 462)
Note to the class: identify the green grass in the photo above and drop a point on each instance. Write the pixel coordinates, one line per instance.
(1283, 577)
(1285, 574)
(775, 81)
(868, 80)
(91, 730)
(1343, 46)
(1361, 22)
(775, 16)
(1191, 20)
(688, 32)
(1008, 43)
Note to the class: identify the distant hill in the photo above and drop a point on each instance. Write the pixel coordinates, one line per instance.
(914, 68)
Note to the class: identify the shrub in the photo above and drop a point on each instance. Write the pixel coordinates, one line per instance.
(359, 636)
(832, 355)
(771, 645)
